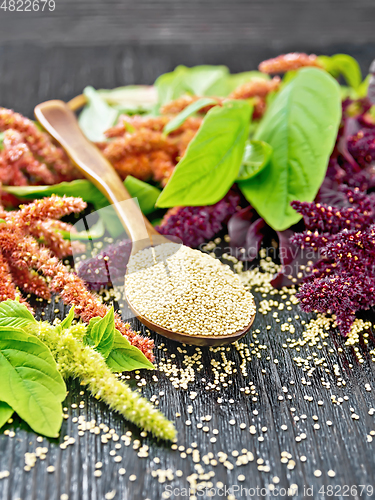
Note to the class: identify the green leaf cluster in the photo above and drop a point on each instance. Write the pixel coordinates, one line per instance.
(120, 355)
(285, 159)
(31, 383)
(105, 106)
(202, 80)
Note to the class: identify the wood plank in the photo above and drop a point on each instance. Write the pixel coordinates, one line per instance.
(270, 22)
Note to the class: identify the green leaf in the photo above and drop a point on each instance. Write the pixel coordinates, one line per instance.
(257, 155)
(170, 85)
(199, 80)
(145, 193)
(202, 80)
(15, 315)
(5, 413)
(363, 88)
(80, 188)
(301, 126)
(67, 321)
(188, 111)
(345, 65)
(130, 98)
(212, 160)
(126, 357)
(30, 382)
(93, 233)
(97, 116)
(157, 221)
(100, 333)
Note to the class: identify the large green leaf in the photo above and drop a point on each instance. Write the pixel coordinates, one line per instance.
(5, 413)
(301, 126)
(212, 160)
(15, 315)
(30, 382)
(126, 357)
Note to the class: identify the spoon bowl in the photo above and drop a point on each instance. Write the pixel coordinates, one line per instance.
(61, 123)
(184, 338)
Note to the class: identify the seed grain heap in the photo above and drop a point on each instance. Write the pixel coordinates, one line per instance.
(187, 291)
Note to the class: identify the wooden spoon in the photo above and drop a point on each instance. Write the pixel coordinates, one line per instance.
(61, 123)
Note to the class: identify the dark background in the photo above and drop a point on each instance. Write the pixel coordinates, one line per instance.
(106, 43)
(111, 43)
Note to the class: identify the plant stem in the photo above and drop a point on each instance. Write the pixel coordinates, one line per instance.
(74, 359)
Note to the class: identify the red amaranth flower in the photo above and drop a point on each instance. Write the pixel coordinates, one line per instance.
(38, 142)
(289, 62)
(7, 288)
(21, 164)
(257, 87)
(32, 266)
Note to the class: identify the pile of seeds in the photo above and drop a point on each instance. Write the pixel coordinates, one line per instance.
(187, 291)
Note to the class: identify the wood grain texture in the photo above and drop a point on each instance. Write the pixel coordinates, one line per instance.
(31, 74)
(271, 22)
(341, 447)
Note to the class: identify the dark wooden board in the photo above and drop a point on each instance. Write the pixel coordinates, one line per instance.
(30, 74)
(263, 23)
(341, 447)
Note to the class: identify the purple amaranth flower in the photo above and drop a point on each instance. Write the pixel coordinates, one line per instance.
(196, 225)
(343, 280)
(362, 147)
(107, 267)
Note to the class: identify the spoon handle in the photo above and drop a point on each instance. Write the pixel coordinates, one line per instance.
(61, 123)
